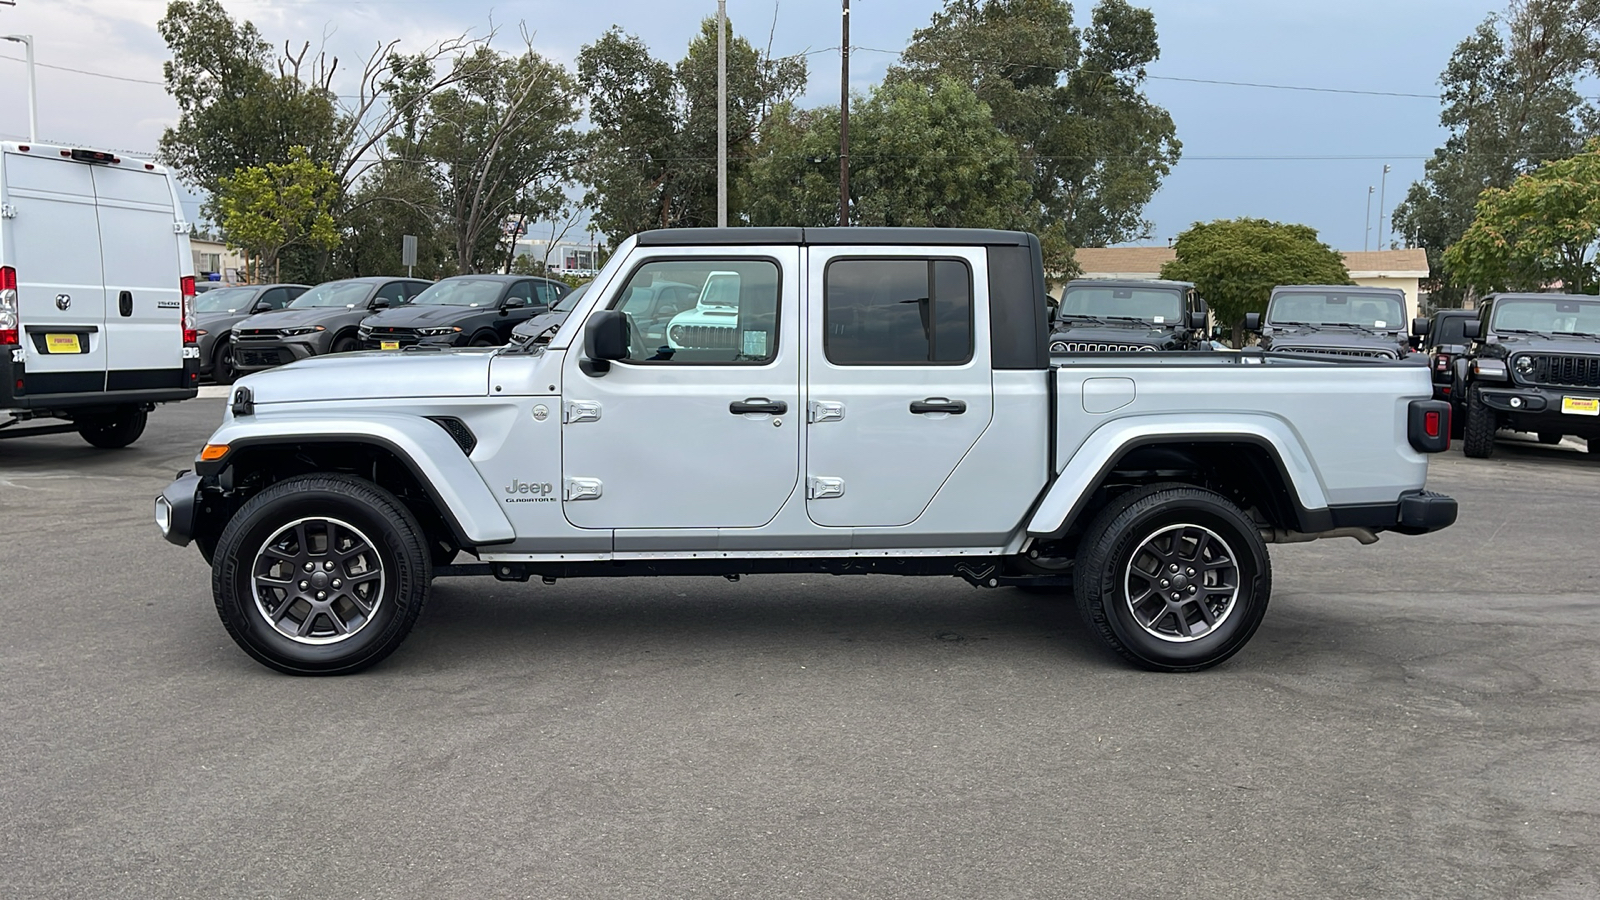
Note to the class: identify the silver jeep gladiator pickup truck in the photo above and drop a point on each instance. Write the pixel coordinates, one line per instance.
(841, 401)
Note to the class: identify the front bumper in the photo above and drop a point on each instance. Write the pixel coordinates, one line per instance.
(175, 509)
(255, 356)
(1541, 408)
(442, 341)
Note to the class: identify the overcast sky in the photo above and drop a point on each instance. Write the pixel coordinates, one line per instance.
(1299, 156)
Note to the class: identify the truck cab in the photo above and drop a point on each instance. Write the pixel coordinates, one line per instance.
(867, 401)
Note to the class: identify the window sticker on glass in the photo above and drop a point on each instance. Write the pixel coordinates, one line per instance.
(755, 344)
(1160, 319)
(1380, 324)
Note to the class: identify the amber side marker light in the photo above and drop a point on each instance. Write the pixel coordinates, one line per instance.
(213, 452)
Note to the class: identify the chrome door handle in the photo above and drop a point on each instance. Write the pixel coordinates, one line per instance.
(938, 405)
(758, 405)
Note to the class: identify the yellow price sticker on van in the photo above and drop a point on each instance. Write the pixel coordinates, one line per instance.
(62, 343)
(1581, 406)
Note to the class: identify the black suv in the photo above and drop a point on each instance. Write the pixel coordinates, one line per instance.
(463, 311)
(322, 320)
(1447, 342)
(218, 310)
(1128, 316)
(1336, 320)
(1534, 366)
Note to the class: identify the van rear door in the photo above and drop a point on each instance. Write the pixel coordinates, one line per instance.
(141, 259)
(54, 245)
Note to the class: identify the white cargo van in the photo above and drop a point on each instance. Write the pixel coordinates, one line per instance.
(96, 288)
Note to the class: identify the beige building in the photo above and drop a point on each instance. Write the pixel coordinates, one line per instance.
(1403, 269)
(215, 256)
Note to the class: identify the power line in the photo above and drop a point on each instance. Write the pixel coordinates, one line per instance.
(86, 72)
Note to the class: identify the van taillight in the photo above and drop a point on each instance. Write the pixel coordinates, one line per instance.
(9, 311)
(186, 287)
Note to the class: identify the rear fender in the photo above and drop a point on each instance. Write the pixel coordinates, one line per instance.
(438, 463)
(1077, 480)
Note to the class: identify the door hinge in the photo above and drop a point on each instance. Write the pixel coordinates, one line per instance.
(819, 488)
(8, 211)
(824, 411)
(180, 227)
(582, 489)
(580, 411)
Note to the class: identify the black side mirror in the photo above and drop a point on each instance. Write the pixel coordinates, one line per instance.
(1420, 327)
(1252, 321)
(605, 338)
(1472, 329)
(1197, 316)
(378, 303)
(261, 307)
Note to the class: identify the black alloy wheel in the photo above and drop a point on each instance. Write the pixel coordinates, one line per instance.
(1173, 578)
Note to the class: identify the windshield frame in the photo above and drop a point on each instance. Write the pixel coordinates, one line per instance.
(333, 288)
(1496, 325)
(1395, 305)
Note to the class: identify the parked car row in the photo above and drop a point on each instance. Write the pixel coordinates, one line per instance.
(248, 329)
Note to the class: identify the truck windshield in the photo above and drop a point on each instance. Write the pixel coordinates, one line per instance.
(224, 300)
(1314, 308)
(1557, 314)
(465, 292)
(565, 304)
(1159, 305)
(334, 293)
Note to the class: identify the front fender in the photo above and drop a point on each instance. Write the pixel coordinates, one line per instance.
(1093, 460)
(433, 456)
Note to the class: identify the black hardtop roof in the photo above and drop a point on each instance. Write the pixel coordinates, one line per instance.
(1538, 295)
(1451, 313)
(1129, 282)
(899, 237)
(1336, 289)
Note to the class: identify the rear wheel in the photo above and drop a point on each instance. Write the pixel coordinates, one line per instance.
(113, 430)
(321, 575)
(1478, 440)
(1549, 437)
(1173, 578)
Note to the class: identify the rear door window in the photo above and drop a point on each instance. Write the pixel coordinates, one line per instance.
(885, 312)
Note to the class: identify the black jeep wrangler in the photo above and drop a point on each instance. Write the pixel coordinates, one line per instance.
(1336, 320)
(1128, 316)
(1447, 342)
(1533, 366)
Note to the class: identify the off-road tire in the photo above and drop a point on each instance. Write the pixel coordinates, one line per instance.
(377, 517)
(113, 430)
(1142, 519)
(1478, 439)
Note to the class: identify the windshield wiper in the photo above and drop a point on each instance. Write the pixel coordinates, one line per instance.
(1298, 325)
(1134, 319)
(1079, 317)
(1520, 331)
(1587, 334)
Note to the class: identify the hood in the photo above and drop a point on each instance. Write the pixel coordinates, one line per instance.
(422, 316)
(327, 317)
(1563, 345)
(1333, 337)
(375, 376)
(1136, 334)
(540, 323)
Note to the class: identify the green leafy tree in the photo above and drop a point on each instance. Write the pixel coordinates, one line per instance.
(503, 142)
(1511, 101)
(1092, 147)
(268, 209)
(235, 110)
(1235, 263)
(1541, 231)
(651, 157)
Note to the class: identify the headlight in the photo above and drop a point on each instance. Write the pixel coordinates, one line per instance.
(295, 332)
(1524, 365)
(676, 333)
(435, 332)
(518, 338)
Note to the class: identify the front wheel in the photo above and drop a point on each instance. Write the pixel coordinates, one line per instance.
(1478, 441)
(1173, 578)
(484, 340)
(113, 430)
(321, 575)
(222, 370)
(346, 344)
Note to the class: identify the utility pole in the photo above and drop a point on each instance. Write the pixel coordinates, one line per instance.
(722, 113)
(1381, 190)
(33, 97)
(1366, 239)
(844, 121)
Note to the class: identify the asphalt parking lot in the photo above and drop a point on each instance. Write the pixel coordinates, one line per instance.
(1415, 719)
